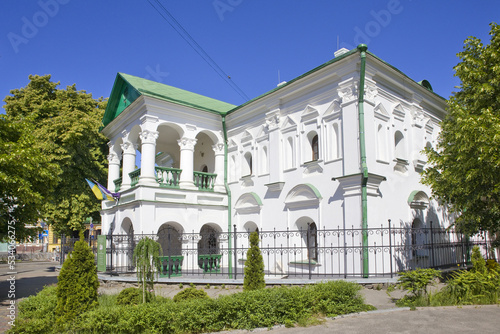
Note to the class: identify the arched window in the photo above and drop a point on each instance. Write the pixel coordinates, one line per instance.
(381, 144)
(169, 239)
(312, 234)
(232, 169)
(399, 146)
(315, 148)
(418, 238)
(289, 152)
(247, 165)
(263, 161)
(335, 145)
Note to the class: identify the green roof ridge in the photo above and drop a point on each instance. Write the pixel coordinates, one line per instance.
(317, 68)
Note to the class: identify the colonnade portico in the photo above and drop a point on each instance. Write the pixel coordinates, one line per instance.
(146, 137)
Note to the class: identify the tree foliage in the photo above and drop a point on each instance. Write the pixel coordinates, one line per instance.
(464, 170)
(254, 266)
(77, 283)
(26, 175)
(147, 262)
(63, 126)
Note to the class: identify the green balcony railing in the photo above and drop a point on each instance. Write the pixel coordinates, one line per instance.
(118, 184)
(204, 181)
(134, 177)
(171, 266)
(168, 177)
(210, 263)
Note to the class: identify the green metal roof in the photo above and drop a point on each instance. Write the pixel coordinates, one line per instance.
(423, 83)
(127, 88)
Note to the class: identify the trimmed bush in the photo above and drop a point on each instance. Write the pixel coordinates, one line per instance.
(243, 310)
(254, 266)
(190, 293)
(36, 313)
(132, 296)
(77, 284)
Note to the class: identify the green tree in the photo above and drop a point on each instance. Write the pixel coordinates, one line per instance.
(64, 125)
(147, 262)
(254, 266)
(26, 176)
(77, 284)
(464, 169)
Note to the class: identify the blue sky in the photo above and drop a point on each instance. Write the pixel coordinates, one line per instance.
(88, 42)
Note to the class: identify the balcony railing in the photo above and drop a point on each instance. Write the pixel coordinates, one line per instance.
(168, 177)
(171, 266)
(204, 181)
(118, 184)
(210, 263)
(134, 177)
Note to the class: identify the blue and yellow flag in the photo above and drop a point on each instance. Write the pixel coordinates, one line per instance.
(100, 193)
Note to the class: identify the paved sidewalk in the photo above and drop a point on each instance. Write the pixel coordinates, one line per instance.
(30, 278)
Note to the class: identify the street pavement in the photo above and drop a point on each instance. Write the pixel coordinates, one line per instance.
(31, 277)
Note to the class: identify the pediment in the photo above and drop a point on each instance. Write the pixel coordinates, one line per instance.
(303, 195)
(248, 203)
(429, 126)
(381, 113)
(309, 112)
(231, 145)
(418, 200)
(399, 112)
(288, 124)
(263, 133)
(247, 136)
(333, 109)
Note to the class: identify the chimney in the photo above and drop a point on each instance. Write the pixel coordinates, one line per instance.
(340, 52)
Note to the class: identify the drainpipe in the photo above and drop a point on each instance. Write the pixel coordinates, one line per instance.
(228, 191)
(362, 150)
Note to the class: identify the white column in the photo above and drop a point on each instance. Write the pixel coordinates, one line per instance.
(113, 170)
(128, 149)
(187, 159)
(219, 167)
(148, 151)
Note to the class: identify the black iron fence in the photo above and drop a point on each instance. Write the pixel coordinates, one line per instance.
(304, 254)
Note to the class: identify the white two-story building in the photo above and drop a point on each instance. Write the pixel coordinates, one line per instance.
(338, 148)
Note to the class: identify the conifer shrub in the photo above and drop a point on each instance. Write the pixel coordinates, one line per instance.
(254, 266)
(132, 296)
(190, 293)
(492, 265)
(148, 264)
(77, 284)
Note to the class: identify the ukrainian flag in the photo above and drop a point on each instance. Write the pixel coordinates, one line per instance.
(100, 194)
